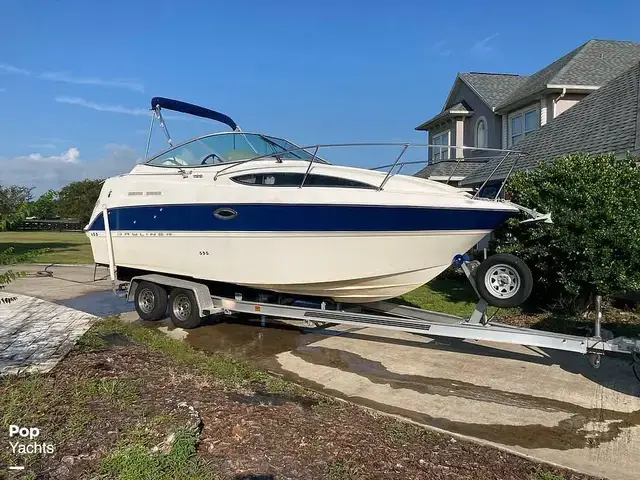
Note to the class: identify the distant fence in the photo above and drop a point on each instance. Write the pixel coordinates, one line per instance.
(69, 225)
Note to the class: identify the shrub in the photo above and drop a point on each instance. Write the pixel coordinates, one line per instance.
(593, 246)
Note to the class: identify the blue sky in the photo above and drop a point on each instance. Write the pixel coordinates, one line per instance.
(75, 76)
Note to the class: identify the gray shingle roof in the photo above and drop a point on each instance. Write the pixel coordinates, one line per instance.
(459, 109)
(493, 88)
(606, 121)
(447, 167)
(594, 63)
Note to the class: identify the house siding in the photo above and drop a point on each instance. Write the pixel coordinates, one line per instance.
(551, 107)
(505, 130)
(544, 117)
(568, 101)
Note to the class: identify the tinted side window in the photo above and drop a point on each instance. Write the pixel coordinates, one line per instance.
(295, 179)
(326, 181)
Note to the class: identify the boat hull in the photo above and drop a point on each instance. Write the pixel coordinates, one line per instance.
(349, 244)
(350, 267)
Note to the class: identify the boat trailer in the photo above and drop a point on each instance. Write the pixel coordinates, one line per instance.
(189, 302)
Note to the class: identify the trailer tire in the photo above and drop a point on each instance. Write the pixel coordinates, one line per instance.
(183, 309)
(150, 301)
(504, 280)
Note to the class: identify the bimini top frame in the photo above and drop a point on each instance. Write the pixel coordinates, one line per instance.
(158, 103)
(190, 109)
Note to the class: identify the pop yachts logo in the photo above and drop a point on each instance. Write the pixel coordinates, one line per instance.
(19, 446)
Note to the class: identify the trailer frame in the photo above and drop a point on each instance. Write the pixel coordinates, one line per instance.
(391, 316)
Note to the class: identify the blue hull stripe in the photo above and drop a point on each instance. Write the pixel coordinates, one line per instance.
(301, 218)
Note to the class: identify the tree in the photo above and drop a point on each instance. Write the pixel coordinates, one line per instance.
(46, 207)
(593, 246)
(13, 204)
(77, 199)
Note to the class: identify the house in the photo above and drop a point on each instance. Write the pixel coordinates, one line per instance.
(607, 121)
(498, 111)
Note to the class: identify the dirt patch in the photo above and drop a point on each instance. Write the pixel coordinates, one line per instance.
(127, 398)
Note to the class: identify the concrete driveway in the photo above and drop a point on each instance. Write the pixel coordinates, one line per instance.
(549, 405)
(58, 282)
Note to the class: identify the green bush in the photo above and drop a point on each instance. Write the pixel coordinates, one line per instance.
(593, 246)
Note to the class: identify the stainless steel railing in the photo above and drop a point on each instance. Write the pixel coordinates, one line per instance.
(486, 154)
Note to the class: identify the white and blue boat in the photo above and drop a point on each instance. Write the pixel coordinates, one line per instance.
(259, 211)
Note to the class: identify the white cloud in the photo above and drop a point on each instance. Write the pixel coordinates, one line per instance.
(70, 156)
(54, 171)
(6, 68)
(42, 145)
(65, 77)
(482, 48)
(101, 107)
(440, 48)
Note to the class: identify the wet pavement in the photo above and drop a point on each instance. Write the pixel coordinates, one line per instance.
(545, 404)
(549, 405)
(243, 338)
(102, 303)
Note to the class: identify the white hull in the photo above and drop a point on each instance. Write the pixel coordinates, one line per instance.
(348, 267)
(349, 244)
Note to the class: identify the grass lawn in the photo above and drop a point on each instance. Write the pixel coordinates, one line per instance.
(64, 247)
(450, 295)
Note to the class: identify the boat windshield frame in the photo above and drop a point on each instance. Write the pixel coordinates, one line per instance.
(267, 138)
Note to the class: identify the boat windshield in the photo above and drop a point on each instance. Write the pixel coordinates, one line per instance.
(228, 147)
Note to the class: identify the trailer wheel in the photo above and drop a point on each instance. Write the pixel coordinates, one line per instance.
(183, 309)
(150, 301)
(504, 280)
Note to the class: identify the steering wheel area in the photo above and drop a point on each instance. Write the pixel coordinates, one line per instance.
(211, 156)
(172, 161)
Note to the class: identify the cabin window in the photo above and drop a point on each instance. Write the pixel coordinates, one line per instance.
(291, 179)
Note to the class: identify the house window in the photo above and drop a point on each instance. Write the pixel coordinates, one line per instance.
(440, 152)
(522, 124)
(481, 133)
